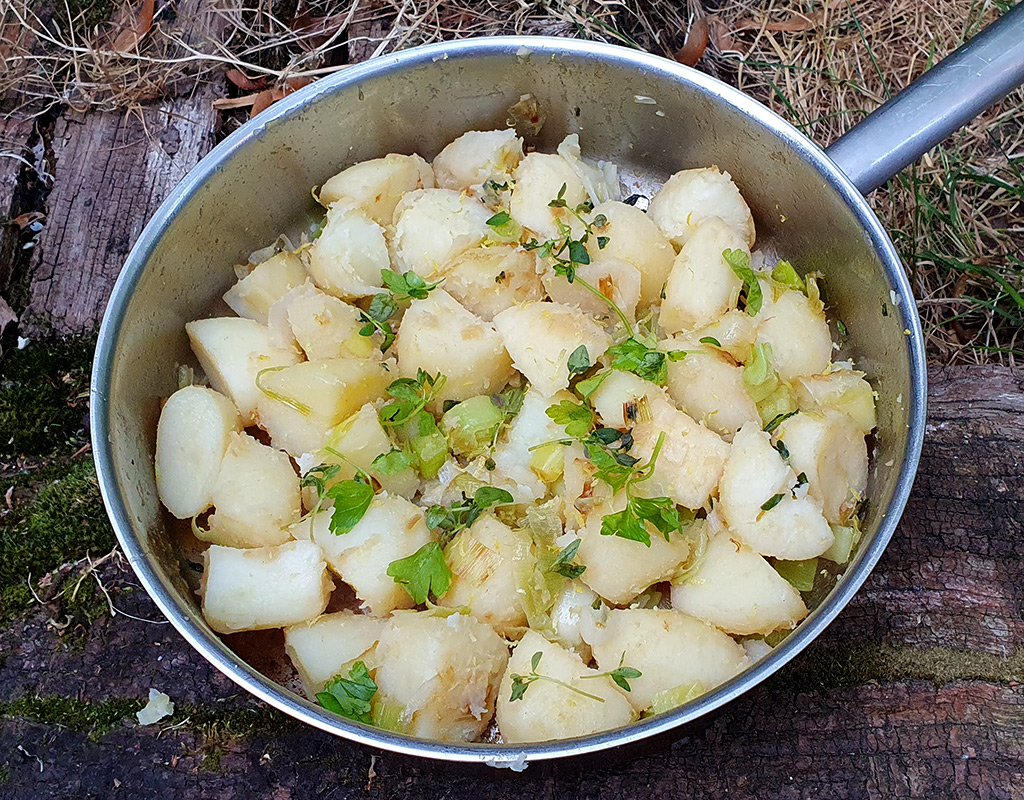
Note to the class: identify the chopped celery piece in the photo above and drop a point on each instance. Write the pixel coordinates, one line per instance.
(787, 276)
(800, 574)
(469, 559)
(547, 462)
(675, 697)
(538, 585)
(778, 403)
(842, 548)
(387, 714)
(470, 425)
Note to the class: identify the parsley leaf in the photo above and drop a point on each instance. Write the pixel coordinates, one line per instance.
(351, 500)
(462, 514)
(644, 361)
(350, 697)
(579, 360)
(740, 263)
(588, 386)
(423, 573)
(411, 396)
(563, 563)
(408, 285)
(577, 418)
(382, 308)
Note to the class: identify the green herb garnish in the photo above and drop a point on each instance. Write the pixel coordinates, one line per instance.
(520, 683)
(740, 263)
(423, 573)
(451, 519)
(350, 697)
(563, 563)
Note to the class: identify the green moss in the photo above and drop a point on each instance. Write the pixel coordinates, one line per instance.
(94, 719)
(43, 398)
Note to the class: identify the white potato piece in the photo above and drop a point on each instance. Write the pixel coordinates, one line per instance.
(269, 281)
(600, 179)
(692, 196)
(376, 186)
(482, 559)
(622, 398)
(799, 336)
(633, 237)
(443, 671)
(735, 589)
(329, 645)
(843, 390)
(487, 280)
(735, 331)
(573, 617)
(830, 450)
(539, 178)
(709, 387)
(794, 528)
(701, 285)
(433, 226)
(348, 256)
(439, 335)
(256, 496)
(530, 427)
(392, 528)
(615, 279)
(540, 337)
(232, 352)
(619, 569)
(550, 711)
(264, 587)
(324, 326)
(301, 403)
(669, 648)
(691, 459)
(478, 156)
(192, 435)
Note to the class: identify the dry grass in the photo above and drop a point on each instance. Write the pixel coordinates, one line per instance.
(824, 64)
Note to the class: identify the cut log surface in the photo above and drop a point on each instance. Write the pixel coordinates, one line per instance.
(913, 692)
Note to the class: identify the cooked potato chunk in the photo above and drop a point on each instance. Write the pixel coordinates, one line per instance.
(512, 458)
(376, 186)
(443, 671)
(482, 559)
(709, 387)
(620, 569)
(616, 279)
(574, 617)
(633, 237)
(263, 587)
(195, 426)
(324, 326)
(256, 496)
(829, 449)
(478, 156)
(539, 178)
(392, 528)
(329, 645)
(439, 335)
(669, 648)
(701, 285)
(843, 390)
(232, 352)
(759, 503)
(549, 710)
(540, 337)
(735, 331)
(301, 403)
(254, 294)
(347, 258)
(622, 398)
(600, 179)
(735, 589)
(692, 196)
(487, 280)
(433, 226)
(801, 343)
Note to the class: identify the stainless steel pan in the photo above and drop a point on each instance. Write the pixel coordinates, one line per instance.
(652, 116)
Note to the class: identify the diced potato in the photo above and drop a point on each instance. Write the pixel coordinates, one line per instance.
(539, 178)
(709, 387)
(264, 587)
(192, 435)
(478, 156)
(329, 645)
(256, 496)
(735, 331)
(301, 403)
(443, 671)
(254, 294)
(622, 398)
(482, 559)
(549, 710)
(843, 390)
(614, 278)
(669, 648)
(755, 474)
(735, 589)
(487, 280)
(701, 285)
(232, 352)
(799, 336)
(632, 236)
(600, 179)
(376, 186)
(348, 256)
(692, 196)
(830, 450)
(619, 569)
(691, 458)
(531, 426)
(433, 226)
(574, 617)
(540, 337)
(392, 528)
(326, 327)
(439, 335)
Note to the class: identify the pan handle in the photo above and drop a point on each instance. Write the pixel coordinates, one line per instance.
(946, 97)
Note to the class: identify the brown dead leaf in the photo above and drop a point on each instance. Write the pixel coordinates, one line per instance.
(795, 24)
(26, 219)
(244, 82)
(244, 101)
(128, 39)
(719, 35)
(696, 43)
(268, 97)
